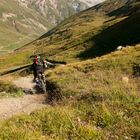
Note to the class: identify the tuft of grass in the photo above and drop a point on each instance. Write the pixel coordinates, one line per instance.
(9, 90)
(51, 123)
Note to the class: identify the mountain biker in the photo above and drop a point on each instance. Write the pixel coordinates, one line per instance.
(39, 66)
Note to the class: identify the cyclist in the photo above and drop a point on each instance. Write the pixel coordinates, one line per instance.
(39, 66)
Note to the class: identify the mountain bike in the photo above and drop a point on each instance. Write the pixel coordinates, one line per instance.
(41, 82)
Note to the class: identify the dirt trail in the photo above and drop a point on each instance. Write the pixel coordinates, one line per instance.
(26, 104)
(16, 106)
(26, 83)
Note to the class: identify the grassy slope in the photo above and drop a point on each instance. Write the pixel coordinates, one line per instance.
(86, 35)
(97, 103)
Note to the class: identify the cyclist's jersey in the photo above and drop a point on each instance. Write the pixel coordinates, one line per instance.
(39, 66)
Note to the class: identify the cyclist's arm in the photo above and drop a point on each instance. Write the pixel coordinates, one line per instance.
(48, 63)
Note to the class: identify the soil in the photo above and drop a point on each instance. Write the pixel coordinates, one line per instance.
(27, 104)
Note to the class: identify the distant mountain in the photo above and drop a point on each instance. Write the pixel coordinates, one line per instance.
(91, 2)
(57, 10)
(23, 20)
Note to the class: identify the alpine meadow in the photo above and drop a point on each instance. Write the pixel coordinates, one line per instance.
(93, 82)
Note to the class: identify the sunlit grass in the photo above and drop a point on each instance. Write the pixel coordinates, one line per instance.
(97, 103)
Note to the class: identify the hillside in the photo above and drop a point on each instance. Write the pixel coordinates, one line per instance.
(89, 34)
(95, 96)
(100, 101)
(21, 21)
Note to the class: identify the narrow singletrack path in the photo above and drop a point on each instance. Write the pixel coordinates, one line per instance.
(15, 106)
(27, 104)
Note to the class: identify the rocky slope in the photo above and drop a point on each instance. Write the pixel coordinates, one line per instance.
(57, 10)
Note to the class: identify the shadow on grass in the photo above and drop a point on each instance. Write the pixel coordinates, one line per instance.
(129, 8)
(136, 70)
(53, 95)
(25, 68)
(123, 33)
(54, 92)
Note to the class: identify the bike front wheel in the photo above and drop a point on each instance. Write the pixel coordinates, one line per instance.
(43, 86)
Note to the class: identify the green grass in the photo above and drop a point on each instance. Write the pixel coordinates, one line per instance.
(65, 44)
(49, 124)
(100, 96)
(14, 94)
(97, 103)
(85, 40)
(123, 33)
(7, 89)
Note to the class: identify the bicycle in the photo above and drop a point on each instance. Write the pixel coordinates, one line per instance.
(41, 82)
